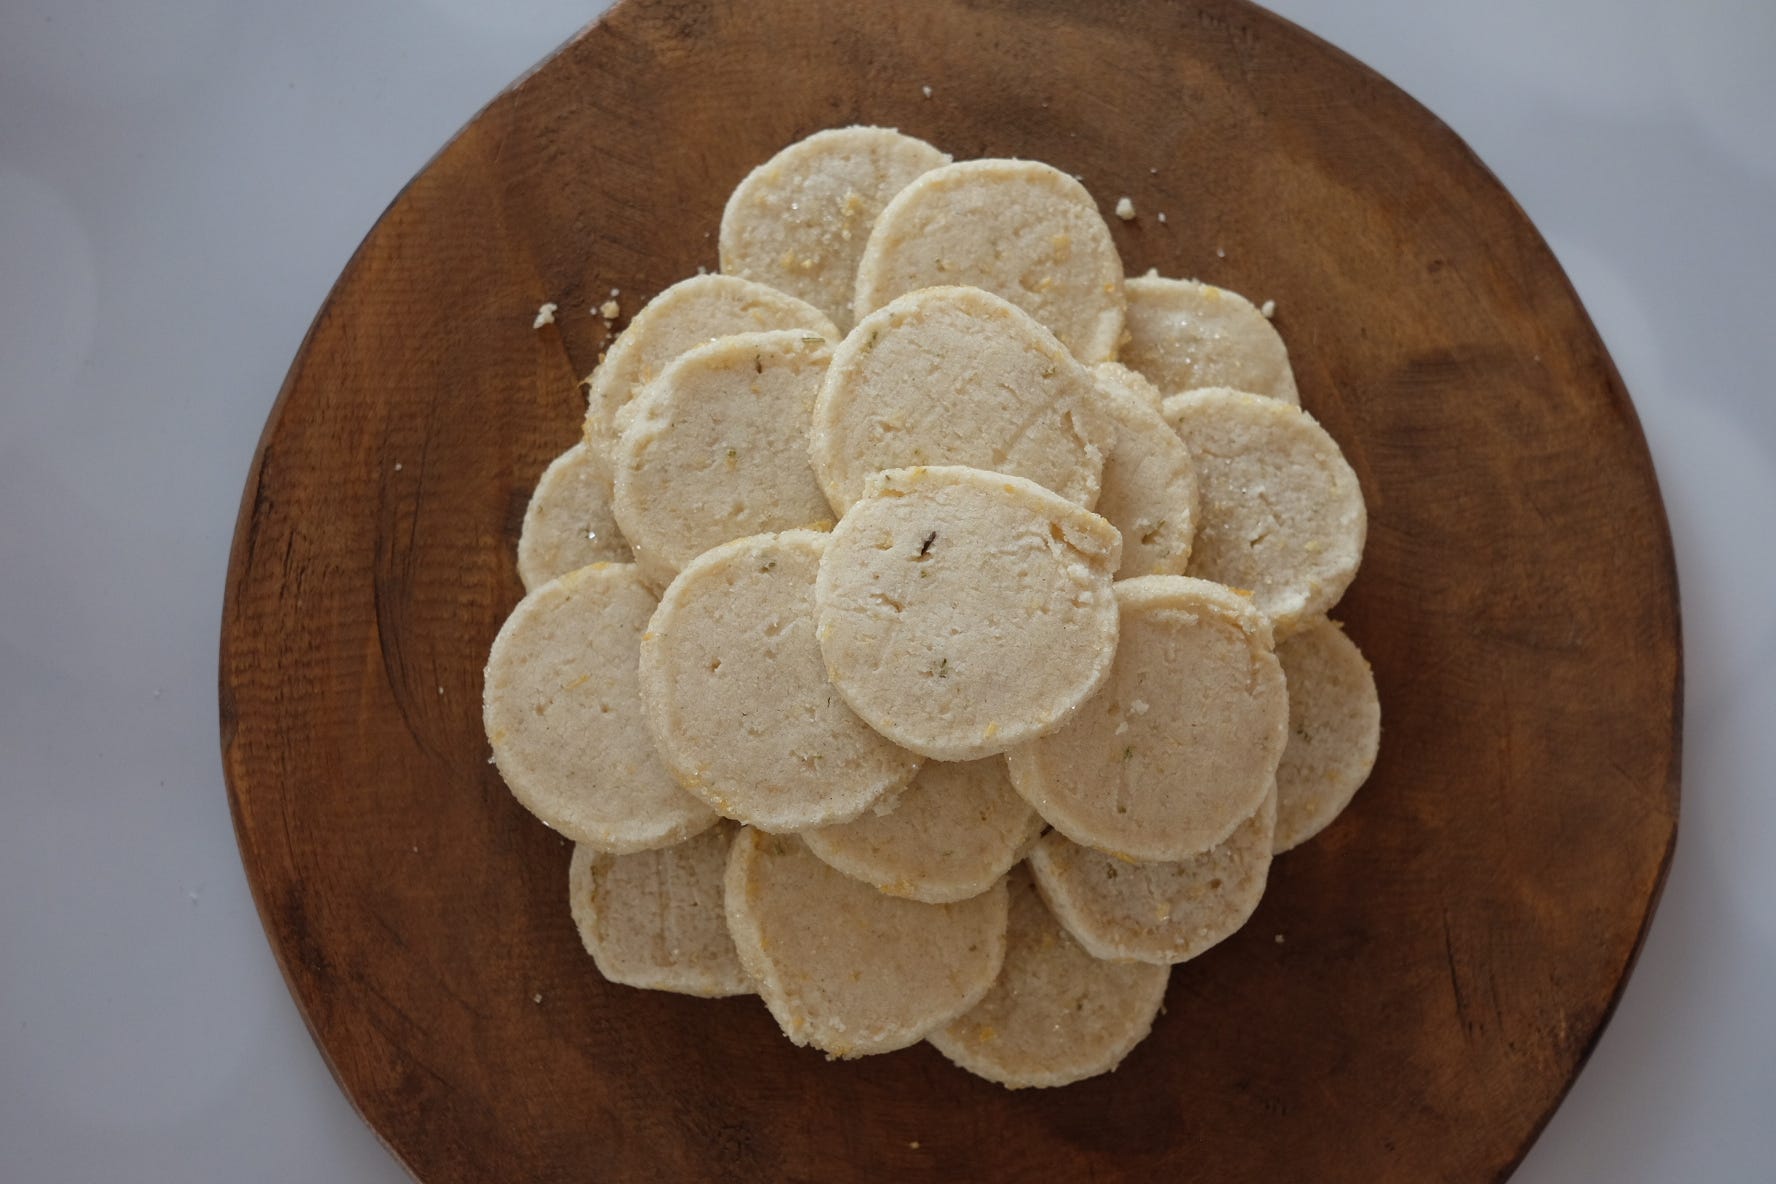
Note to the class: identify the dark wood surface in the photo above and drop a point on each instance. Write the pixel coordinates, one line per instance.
(1420, 984)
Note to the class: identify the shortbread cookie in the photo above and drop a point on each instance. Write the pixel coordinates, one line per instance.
(1021, 229)
(957, 376)
(655, 920)
(568, 523)
(564, 717)
(1056, 1015)
(1280, 514)
(737, 698)
(950, 835)
(686, 314)
(1334, 730)
(1156, 912)
(799, 221)
(845, 968)
(962, 612)
(1182, 743)
(716, 449)
(1184, 335)
(1149, 486)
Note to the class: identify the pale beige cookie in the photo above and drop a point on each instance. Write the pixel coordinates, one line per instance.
(1334, 730)
(1182, 743)
(1184, 335)
(1056, 1015)
(799, 221)
(1019, 228)
(687, 314)
(655, 919)
(1149, 486)
(1156, 912)
(737, 698)
(568, 523)
(949, 836)
(962, 612)
(1133, 382)
(845, 968)
(1280, 514)
(563, 715)
(957, 376)
(715, 449)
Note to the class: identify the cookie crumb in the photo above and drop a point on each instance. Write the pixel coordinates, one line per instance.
(926, 91)
(1279, 939)
(1125, 208)
(1162, 216)
(397, 466)
(1220, 254)
(914, 1144)
(545, 314)
(537, 998)
(610, 310)
(1268, 308)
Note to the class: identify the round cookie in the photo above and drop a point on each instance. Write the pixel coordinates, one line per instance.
(564, 718)
(962, 612)
(1156, 912)
(568, 523)
(1183, 335)
(957, 376)
(687, 314)
(714, 449)
(950, 835)
(845, 968)
(799, 221)
(1148, 490)
(1056, 1015)
(737, 699)
(1182, 743)
(1280, 511)
(655, 919)
(1017, 228)
(1334, 730)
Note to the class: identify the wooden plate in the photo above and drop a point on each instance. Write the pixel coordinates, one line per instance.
(1421, 982)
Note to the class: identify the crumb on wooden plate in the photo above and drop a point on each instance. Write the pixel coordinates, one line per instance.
(1125, 208)
(545, 314)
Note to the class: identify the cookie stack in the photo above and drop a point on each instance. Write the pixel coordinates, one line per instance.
(928, 634)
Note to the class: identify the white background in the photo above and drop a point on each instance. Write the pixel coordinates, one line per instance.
(180, 182)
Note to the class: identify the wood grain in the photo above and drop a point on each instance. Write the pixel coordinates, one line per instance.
(1421, 983)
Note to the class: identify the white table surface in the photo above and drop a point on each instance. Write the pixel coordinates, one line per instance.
(180, 182)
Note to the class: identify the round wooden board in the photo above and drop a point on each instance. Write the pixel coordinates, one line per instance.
(1420, 984)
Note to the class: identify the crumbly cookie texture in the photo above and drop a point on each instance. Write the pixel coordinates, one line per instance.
(957, 376)
(1281, 513)
(962, 612)
(737, 699)
(949, 835)
(1148, 490)
(799, 221)
(1334, 730)
(1018, 228)
(1156, 912)
(568, 522)
(685, 315)
(710, 450)
(845, 968)
(1183, 335)
(1056, 1015)
(1181, 744)
(655, 919)
(563, 715)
